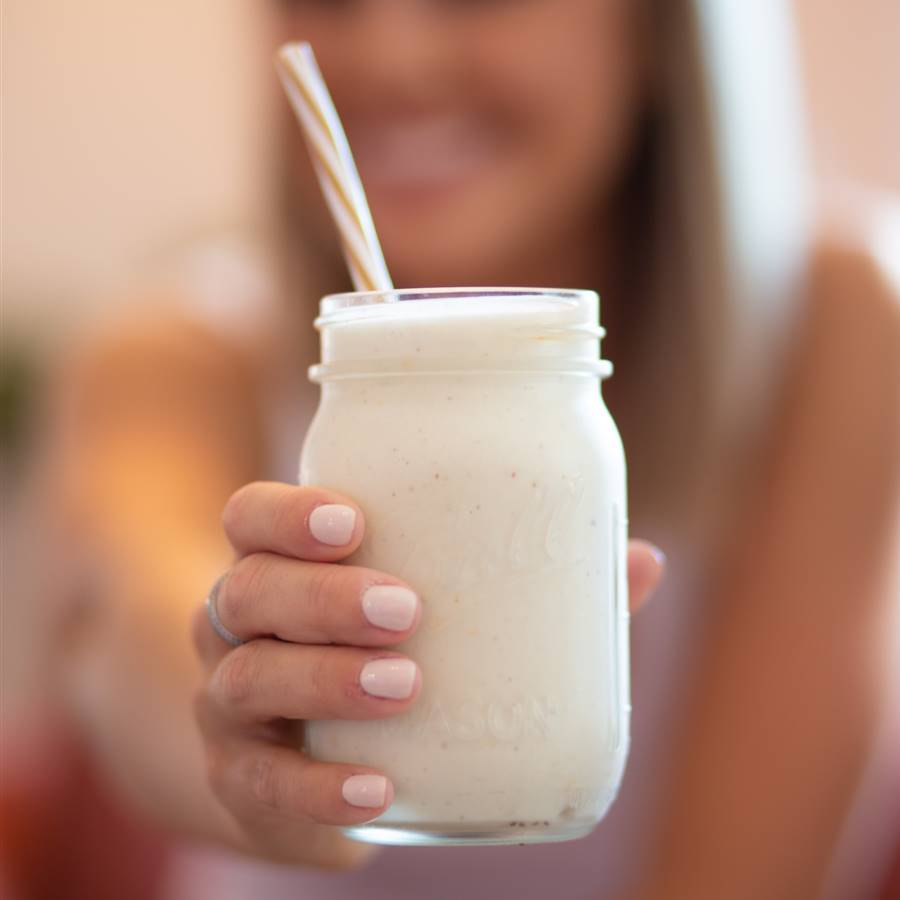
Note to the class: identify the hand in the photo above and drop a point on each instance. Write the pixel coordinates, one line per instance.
(318, 638)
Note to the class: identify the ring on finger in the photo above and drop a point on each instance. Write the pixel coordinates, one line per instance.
(213, 614)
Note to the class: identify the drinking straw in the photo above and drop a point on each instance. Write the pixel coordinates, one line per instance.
(333, 162)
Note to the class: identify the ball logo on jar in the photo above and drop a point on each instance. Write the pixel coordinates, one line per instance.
(533, 536)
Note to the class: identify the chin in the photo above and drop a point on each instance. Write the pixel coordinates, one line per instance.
(450, 249)
(435, 264)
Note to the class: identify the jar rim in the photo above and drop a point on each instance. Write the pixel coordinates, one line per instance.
(333, 303)
(530, 330)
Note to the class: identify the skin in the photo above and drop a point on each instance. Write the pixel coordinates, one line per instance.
(238, 785)
(759, 796)
(488, 133)
(323, 641)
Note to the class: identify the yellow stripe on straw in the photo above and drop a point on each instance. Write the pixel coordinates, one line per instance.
(334, 166)
(332, 174)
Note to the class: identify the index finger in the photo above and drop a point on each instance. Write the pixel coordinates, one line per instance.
(307, 523)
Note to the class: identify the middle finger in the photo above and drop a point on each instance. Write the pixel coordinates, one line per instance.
(265, 595)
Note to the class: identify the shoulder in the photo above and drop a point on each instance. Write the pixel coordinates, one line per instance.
(209, 306)
(156, 363)
(839, 428)
(851, 322)
(854, 275)
(160, 329)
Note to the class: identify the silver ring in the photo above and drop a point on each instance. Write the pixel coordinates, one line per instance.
(213, 615)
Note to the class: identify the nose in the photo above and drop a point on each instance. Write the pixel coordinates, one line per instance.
(401, 48)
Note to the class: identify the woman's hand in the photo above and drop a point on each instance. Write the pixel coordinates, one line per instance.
(317, 646)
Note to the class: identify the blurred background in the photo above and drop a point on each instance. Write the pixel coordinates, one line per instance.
(154, 118)
(129, 127)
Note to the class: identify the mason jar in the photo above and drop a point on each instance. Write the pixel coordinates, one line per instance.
(469, 426)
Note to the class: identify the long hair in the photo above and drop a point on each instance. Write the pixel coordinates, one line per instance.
(713, 224)
(710, 222)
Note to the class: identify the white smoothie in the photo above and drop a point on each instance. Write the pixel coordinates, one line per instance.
(473, 435)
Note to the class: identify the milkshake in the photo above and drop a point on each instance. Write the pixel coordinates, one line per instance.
(470, 428)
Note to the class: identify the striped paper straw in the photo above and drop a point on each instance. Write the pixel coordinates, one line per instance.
(334, 165)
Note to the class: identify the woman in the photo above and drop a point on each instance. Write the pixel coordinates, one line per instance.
(521, 143)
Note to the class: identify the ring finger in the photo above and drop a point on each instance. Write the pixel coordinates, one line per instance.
(267, 679)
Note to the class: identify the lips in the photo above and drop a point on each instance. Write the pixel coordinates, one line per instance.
(422, 153)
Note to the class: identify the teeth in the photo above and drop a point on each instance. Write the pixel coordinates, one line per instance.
(420, 153)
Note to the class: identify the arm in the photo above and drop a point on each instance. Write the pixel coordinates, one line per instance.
(794, 675)
(161, 431)
(156, 429)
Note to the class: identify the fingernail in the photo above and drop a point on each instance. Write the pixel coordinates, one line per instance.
(365, 790)
(390, 678)
(390, 606)
(658, 555)
(332, 524)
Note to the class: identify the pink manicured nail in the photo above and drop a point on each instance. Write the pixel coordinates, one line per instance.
(332, 524)
(389, 606)
(365, 790)
(393, 679)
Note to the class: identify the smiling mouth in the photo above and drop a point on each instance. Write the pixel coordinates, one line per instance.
(422, 154)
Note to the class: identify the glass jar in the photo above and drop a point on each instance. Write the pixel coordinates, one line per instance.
(469, 426)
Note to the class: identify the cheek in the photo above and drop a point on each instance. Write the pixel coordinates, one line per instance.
(578, 99)
(570, 97)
